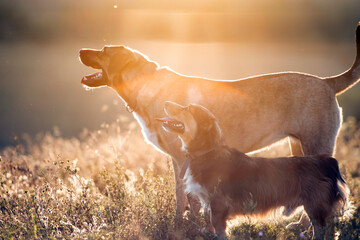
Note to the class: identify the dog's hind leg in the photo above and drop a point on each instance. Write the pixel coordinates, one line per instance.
(318, 216)
(319, 232)
(320, 138)
(322, 144)
(304, 221)
(288, 210)
(330, 228)
(295, 146)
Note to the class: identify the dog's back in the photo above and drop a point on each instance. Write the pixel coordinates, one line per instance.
(270, 182)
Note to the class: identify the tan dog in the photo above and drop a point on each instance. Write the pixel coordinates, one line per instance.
(252, 112)
(230, 183)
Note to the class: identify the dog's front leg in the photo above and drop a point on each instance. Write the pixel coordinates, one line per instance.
(218, 215)
(295, 147)
(181, 200)
(208, 227)
(319, 232)
(194, 204)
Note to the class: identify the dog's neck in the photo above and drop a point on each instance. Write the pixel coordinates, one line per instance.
(203, 144)
(205, 148)
(193, 156)
(131, 84)
(201, 152)
(205, 141)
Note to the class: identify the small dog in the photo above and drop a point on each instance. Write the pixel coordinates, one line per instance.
(229, 183)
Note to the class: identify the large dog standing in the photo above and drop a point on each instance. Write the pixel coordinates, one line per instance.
(228, 182)
(252, 112)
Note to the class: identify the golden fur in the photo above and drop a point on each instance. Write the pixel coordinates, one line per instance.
(252, 112)
(229, 182)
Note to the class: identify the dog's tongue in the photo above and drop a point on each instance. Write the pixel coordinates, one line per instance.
(172, 124)
(94, 80)
(165, 119)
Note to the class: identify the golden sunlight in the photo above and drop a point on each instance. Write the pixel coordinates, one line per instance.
(77, 164)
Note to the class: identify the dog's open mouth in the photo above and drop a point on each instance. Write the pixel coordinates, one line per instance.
(90, 58)
(95, 79)
(172, 125)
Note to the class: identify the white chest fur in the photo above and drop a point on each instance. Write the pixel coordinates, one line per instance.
(150, 136)
(191, 186)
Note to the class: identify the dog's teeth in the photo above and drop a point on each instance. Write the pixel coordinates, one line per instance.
(98, 76)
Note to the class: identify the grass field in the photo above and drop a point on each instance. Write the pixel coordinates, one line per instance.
(110, 184)
(106, 182)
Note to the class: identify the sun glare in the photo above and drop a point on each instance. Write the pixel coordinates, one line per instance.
(75, 163)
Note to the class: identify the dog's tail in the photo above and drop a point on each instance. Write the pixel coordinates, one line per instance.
(339, 189)
(346, 80)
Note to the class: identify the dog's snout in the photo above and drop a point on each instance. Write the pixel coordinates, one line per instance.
(85, 52)
(89, 57)
(81, 52)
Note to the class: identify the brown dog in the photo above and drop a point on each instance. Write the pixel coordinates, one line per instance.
(229, 183)
(252, 112)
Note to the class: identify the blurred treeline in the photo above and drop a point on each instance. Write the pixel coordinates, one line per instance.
(189, 21)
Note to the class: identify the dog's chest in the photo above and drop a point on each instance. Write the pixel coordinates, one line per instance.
(150, 136)
(191, 186)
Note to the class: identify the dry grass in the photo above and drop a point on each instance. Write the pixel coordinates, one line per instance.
(110, 184)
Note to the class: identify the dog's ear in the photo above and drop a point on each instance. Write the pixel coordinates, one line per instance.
(205, 119)
(208, 129)
(128, 63)
(200, 113)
